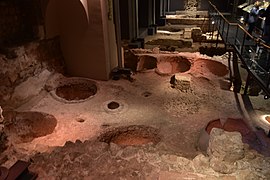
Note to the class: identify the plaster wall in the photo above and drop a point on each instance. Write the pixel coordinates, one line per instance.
(87, 36)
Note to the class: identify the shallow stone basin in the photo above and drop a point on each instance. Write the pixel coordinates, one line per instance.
(206, 65)
(26, 126)
(74, 89)
(173, 64)
(131, 135)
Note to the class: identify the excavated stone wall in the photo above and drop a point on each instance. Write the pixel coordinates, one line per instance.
(191, 5)
(21, 62)
(227, 158)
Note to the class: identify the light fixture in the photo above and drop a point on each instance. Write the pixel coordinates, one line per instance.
(242, 19)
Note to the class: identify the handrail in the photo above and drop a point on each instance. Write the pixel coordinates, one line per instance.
(241, 27)
(221, 14)
(255, 54)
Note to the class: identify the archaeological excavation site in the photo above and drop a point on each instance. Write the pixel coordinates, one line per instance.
(133, 89)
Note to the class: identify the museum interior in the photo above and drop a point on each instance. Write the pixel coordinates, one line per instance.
(134, 89)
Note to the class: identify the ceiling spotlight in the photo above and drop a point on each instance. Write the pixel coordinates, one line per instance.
(213, 22)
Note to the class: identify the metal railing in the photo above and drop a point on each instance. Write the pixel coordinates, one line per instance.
(254, 53)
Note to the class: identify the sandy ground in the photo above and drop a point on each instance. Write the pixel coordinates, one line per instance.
(147, 119)
(150, 100)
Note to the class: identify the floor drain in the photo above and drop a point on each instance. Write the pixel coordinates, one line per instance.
(113, 105)
(131, 136)
(146, 94)
(80, 120)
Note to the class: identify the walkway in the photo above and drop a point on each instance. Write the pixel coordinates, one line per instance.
(254, 53)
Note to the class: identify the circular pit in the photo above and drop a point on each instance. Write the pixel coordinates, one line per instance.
(131, 136)
(26, 126)
(171, 65)
(73, 90)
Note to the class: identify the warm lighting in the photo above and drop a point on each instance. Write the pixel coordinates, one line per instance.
(242, 19)
(85, 5)
(265, 118)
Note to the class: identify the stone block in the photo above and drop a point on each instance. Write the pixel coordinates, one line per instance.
(234, 149)
(182, 82)
(187, 33)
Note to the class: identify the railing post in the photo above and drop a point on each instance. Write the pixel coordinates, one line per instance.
(218, 24)
(243, 43)
(268, 69)
(218, 28)
(247, 85)
(223, 27)
(229, 65)
(268, 81)
(227, 34)
(242, 49)
(237, 78)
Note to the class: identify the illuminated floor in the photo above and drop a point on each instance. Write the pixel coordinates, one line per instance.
(149, 107)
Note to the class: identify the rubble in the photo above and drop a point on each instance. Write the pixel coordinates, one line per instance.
(227, 159)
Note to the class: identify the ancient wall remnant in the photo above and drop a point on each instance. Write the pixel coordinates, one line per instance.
(21, 62)
(191, 5)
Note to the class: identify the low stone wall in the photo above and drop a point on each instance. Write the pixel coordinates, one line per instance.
(203, 23)
(19, 63)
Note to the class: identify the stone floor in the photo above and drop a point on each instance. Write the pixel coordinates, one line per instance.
(98, 134)
(150, 127)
